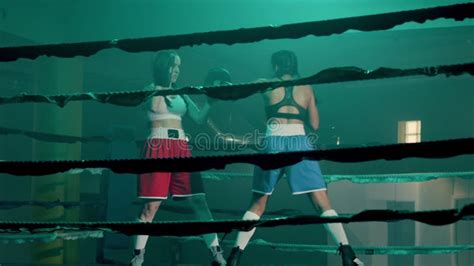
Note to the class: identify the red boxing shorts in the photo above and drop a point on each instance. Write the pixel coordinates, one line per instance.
(159, 185)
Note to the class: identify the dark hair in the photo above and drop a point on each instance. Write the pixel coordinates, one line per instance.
(161, 67)
(286, 63)
(217, 73)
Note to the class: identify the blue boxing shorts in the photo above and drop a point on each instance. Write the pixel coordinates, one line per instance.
(303, 177)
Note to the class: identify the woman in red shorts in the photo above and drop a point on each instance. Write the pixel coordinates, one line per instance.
(167, 140)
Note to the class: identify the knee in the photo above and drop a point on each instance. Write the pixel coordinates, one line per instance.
(149, 212)
(321, 201)
(258, 210)
(258, 206)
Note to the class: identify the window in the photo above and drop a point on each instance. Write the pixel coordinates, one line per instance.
(409, 131)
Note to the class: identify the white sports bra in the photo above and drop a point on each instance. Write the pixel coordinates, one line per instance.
(176, 109)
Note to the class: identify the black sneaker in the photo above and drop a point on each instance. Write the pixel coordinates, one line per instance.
(234, 257)
(348, 256)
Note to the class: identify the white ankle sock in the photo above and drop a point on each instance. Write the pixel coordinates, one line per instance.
(243, 237)
(335, 229)
(139, 241)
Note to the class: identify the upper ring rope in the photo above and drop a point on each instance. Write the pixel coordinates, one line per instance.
(375, 22)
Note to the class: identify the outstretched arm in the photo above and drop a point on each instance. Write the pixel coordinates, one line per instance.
(198, 115)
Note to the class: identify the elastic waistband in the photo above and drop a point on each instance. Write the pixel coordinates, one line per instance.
(285, 130)
(167, 133)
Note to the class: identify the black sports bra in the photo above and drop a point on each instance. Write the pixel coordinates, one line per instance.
(288, 100)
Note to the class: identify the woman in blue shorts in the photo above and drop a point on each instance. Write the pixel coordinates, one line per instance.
(287, 110)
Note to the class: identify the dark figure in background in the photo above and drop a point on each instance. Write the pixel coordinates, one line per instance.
(217, 77)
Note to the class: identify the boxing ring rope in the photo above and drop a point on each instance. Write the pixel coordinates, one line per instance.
(22, 238)
(240, 91)
(355, 178)
(428, 149)
(384, 21)
(24, 232)
(224, 176)
(189, 228)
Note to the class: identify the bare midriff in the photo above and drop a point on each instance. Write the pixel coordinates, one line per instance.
(167, 123)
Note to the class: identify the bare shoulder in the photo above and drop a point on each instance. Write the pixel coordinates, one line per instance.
(268, 92)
